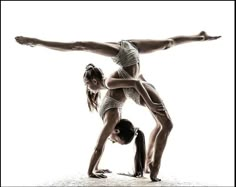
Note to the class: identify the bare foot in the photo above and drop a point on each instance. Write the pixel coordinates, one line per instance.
(147, 169)
(103, 171)
(206, 37)
(138, 174)
(92, 175)
(26, 41)
(153, 173)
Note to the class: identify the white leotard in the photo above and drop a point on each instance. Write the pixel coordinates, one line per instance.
(128, 55)
(129, 92)
(109, 103)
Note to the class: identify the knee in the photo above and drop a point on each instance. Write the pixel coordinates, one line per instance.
(79, 46)
(167, 126)
(170, 43)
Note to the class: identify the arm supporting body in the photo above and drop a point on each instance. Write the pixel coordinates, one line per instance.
(111, 118)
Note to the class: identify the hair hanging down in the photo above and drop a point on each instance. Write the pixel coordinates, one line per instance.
(92, 72)
(127, 133)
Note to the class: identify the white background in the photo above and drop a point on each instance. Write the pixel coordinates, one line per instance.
(47, 130)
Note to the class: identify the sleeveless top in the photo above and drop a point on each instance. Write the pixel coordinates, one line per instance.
(109, 103)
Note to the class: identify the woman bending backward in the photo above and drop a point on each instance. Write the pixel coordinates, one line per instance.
(126, 82)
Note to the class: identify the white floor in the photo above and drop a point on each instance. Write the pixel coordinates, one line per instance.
(118, 180)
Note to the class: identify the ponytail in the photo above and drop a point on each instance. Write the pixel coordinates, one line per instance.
(92, 99)
(127, 133)
(140, 155)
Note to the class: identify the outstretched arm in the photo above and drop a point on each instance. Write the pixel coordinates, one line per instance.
(147, 46)
(111, 118)
(109, 49)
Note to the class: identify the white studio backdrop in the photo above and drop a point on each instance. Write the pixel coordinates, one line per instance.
(47, 131)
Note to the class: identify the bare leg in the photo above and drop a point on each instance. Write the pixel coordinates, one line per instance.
(202, 36)
(159, 142)
(150, 149)
(152, 137)
(106, 49)
(147, 46)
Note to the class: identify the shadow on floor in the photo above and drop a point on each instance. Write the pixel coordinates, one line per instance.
(119, 180)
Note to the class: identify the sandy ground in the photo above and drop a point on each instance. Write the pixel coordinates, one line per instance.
(119, 180)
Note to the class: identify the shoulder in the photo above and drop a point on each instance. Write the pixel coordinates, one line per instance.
(113, 75)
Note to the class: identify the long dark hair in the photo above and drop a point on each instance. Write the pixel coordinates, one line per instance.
(92, 72)
(127, 133)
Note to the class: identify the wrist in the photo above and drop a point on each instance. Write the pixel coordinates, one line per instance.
(89, 173)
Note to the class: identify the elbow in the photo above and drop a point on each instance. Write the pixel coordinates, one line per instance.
(108, 84)
(170, 43)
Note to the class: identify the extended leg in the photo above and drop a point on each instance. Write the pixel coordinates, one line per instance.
(147, 46)
(107, 49)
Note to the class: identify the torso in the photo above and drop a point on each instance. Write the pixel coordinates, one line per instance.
(118, 94)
